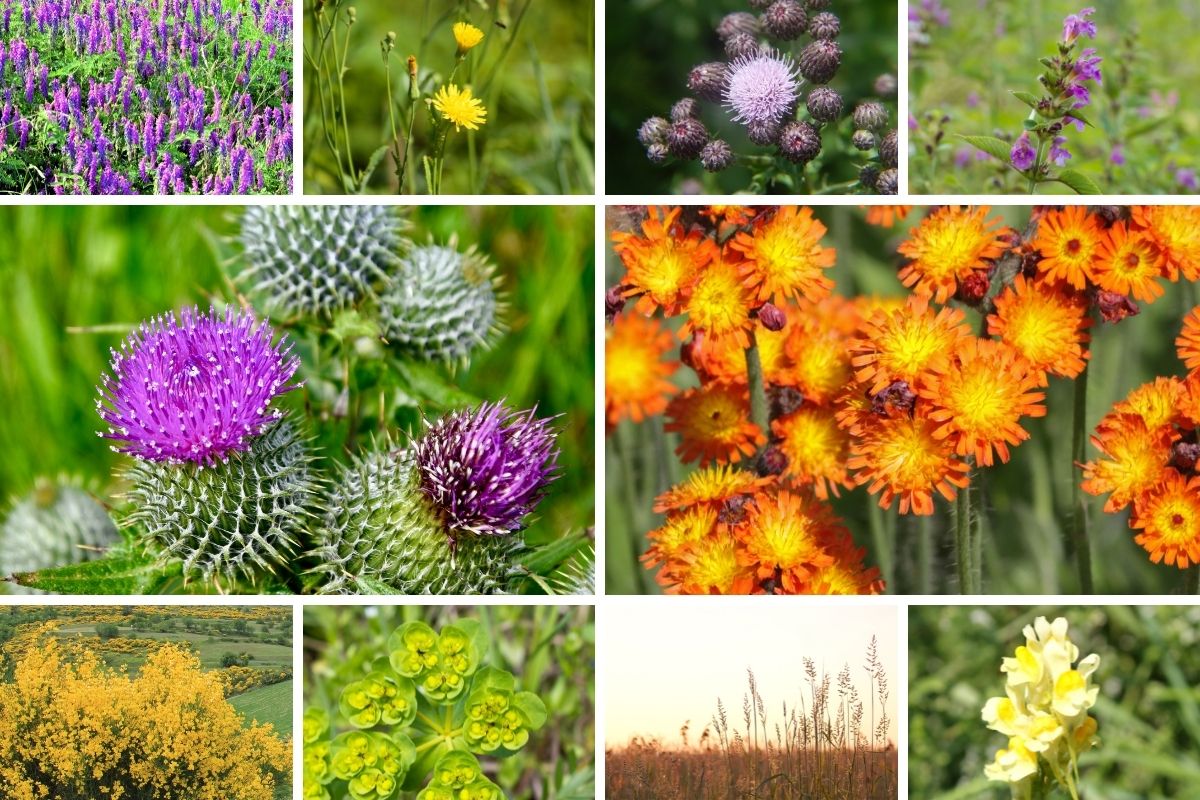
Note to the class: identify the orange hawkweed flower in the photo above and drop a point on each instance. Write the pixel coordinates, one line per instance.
(901, 457)
(680, 530)
(1069, 241)
(712, 566)
(730, 215)
(1134, 459)
(902, 345)
(711, 487)
(718, 304)
(1045, 324)
(783, 534)
(979, 397)
(1187, 344)
(847, 575)
(783, 258)
(816, 449)
(1173, 229)
(725, 359)
(1168, 517)
(635, 374)
(946, 247)
(1189, 401)
(714, 424)
(663, 261)
(1156, 402)
(886, 216)
(1128, 262)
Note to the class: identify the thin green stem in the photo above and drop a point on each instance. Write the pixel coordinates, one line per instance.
(924, 555)
(1079, 526)
(1037, 167)
(962, 542)
(758, 387)
(342, 94)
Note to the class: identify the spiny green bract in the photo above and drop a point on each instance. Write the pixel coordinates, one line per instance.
(380, 529)
(242, 518)
(56, 524)
(318, 259)
(442, 304)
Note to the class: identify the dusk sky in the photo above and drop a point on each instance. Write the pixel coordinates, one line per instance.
(668, 661)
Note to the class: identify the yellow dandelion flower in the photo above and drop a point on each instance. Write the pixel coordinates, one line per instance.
(1169, 518)
(466, 36)
(458, 106)
(947, 247)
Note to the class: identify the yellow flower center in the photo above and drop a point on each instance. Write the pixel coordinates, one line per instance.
(717, 304)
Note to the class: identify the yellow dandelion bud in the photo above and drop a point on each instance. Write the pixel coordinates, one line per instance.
(458, 106)
(466, 36)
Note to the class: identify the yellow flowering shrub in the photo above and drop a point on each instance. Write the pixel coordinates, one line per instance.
(237, 680)
(72, 729)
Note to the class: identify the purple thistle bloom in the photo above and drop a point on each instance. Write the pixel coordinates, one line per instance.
(1076, 25)
(194, 389)
(1087, 66)
(1058, 152)
(1022, 154)
(486, 468)
(762, 89)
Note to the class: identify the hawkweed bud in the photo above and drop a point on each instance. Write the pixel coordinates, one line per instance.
(1114, 307)
(716, 156)
(738, 22)
(784, 400)
(414, 87)
(687, 107)
(657, 153)
(653, 131)
(742, 45)
(315, 260)
(772, 317)
(824, 26)
(863, 140)
(614, 302)
(819, 61)
(442, 305)
(824, 104)
(799, 142)
(707, 81)
(785, 19)
(870, 116)
(887, 182)
(885, 85)
(773, 461)
(764, 133)
(868, 175)
(235, 520)
(887, 149)
(56, 524)
(686, 138)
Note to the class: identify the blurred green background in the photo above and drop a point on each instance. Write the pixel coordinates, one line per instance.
(536, 77)
(1148, 709)
(550, 650)
(1147, 103)
(115, 266)
(1026, 500)
(651, 46)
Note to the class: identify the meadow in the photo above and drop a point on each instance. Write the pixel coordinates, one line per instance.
(967, 63)
(527, 68)
(133, 97)
(76, 296)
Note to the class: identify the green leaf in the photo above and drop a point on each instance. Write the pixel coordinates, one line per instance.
(117, 573)
(493, 678)
(1029, 124)
(1028, 99)
(1074, 114)
(372, 165)
(533, 707)
(545, 559)
(579, 785)
(990, 145)
(349, 325)
(426, 383)
(1079, 182)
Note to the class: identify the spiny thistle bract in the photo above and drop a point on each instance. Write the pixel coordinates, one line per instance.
(486, 468)
(442, 304)
(315, 260)
(239, 519)
(194, 389)
(379, 527)
(58, 523)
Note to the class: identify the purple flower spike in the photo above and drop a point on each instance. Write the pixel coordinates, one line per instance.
(1058, 151)
(486, 468)
(194, 389)
(1087, 66)
(1076, 25)
(1022, 154)
(762, 89)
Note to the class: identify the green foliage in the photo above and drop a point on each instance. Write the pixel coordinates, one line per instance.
(106, 631)
(1148, 709)
(267, 705)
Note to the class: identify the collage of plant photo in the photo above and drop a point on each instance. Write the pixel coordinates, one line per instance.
(424, 439)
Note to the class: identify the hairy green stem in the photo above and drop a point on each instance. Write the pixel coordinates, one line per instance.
(962, 542)
(758, 388)
(1079, 527)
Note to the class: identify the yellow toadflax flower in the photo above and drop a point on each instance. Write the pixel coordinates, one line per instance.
(466, 36)
(458, 106)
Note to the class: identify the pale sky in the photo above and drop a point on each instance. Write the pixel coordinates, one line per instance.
(667, 661)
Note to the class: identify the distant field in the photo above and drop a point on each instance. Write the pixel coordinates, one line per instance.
(267, 704)
(264, 655)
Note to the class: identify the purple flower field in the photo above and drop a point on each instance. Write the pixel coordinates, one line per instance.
(145, 96)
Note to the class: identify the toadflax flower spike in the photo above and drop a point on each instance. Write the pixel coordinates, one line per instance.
(196, 388)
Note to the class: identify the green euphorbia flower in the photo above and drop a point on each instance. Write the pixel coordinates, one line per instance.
(499, 718)
(457, 776)
(439, 664)
(379, 697)
(374, 763)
